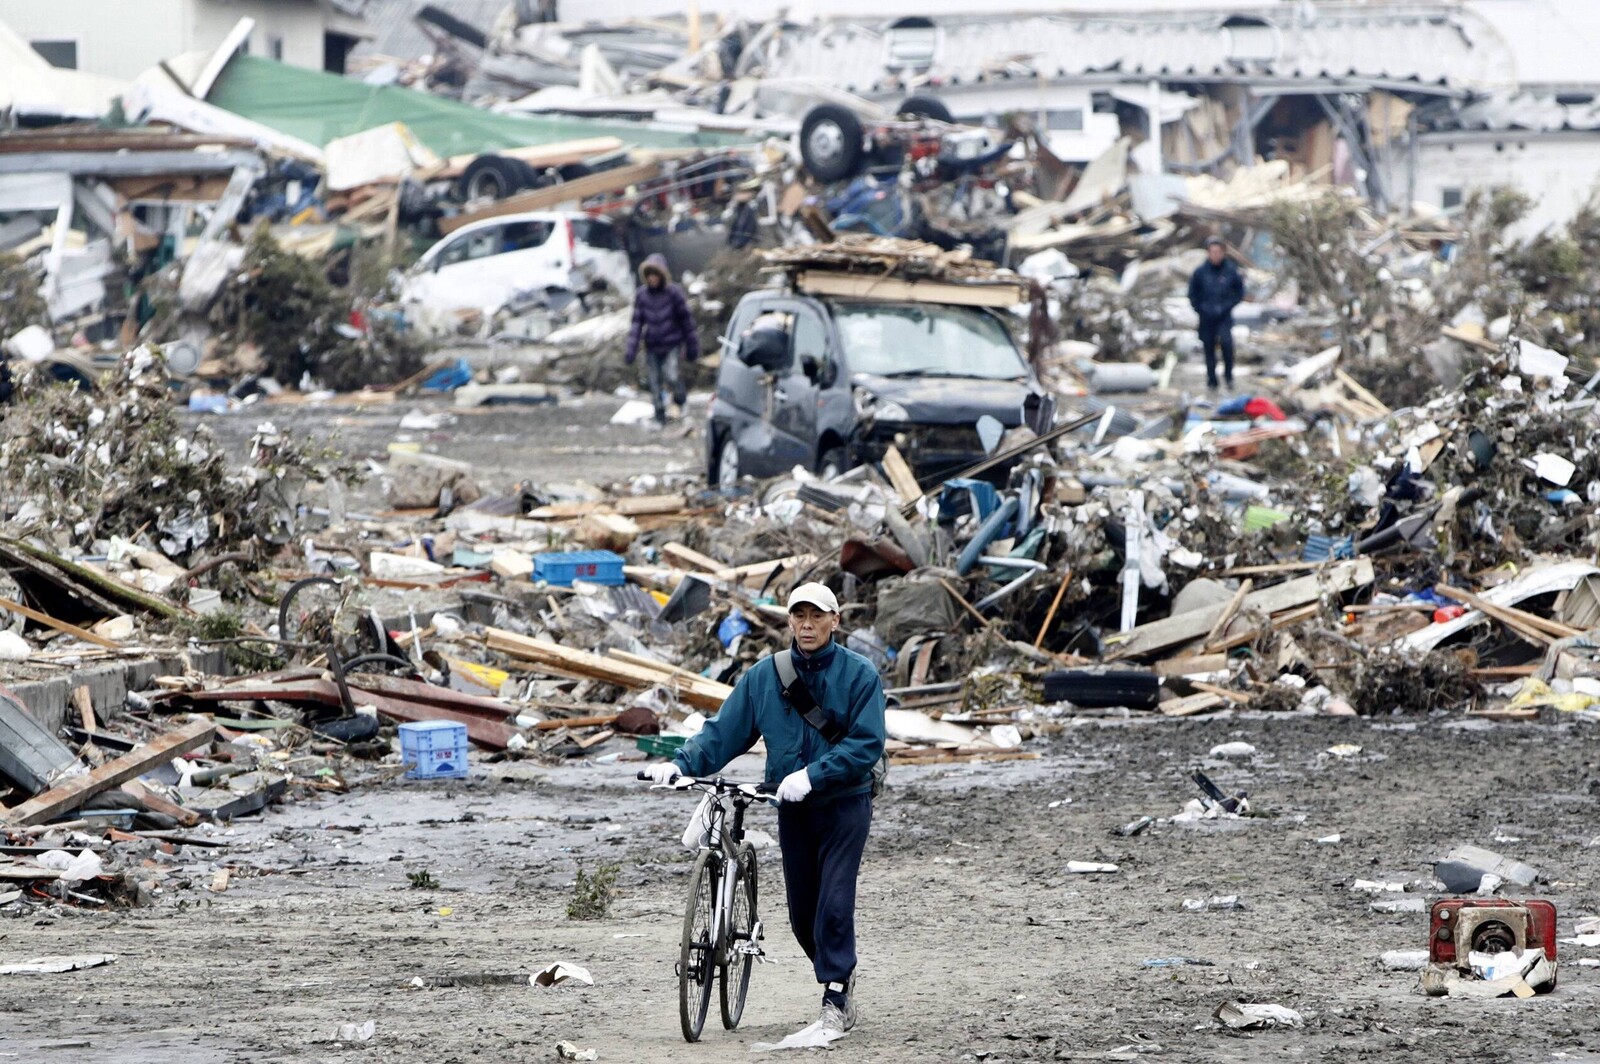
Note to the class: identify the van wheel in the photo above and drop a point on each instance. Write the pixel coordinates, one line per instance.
(492, 177)
(830, 142)
(727, 471)
(832, 463)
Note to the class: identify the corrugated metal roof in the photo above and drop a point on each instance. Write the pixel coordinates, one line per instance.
(1425, 44)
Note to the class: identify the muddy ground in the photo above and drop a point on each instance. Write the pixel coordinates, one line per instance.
(976, 944)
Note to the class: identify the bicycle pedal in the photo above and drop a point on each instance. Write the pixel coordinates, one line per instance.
(757, 932)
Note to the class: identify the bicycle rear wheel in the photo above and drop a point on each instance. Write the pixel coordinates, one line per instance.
(697, 955)
(743, 944)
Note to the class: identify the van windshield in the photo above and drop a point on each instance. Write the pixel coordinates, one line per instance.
(926, 340)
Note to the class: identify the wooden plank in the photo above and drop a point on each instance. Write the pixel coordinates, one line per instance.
(158, 804)
(594, 740)
(688, 558)
(1188, 707)
(1055, 604)
(78, 790)
(1519, 617)
(1189, 666)
(538, 156)
(490, 734)
(83, 702)
(901, 479)
(906, 758)
(696, 691)
(60, 626)
(1186, 627)
(1221, 692)
(541, 199)
(599, 719)
(630, 506)
(894, 289)
(1229, 612)
(1362, 394)
(758, 572)
(1277, 621)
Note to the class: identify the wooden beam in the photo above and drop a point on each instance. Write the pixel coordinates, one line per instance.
(78, 790)
(1186, 627)
(1228, 614)
(688, 558)
(893, 289)
(697, 691)
(901, 479)
(83, 702)
(1055, 604)
(1510, 614)
(541, 199)
(60, 626)
(1220, 692)
(157, 804)
(633, 506)
(594, 740)
(598, 720)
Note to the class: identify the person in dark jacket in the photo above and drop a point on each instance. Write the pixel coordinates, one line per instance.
(662, 323)
(1215, 288)
(824, 790)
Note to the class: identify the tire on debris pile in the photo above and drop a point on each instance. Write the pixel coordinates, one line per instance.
(830, 143)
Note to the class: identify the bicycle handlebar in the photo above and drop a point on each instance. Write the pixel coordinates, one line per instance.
(718, 783)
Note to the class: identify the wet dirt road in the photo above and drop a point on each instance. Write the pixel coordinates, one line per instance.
(563, 442)
(976, 944)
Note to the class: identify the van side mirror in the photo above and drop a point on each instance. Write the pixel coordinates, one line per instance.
(766, 349)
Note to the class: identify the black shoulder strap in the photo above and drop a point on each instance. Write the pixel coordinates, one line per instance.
(798, 695)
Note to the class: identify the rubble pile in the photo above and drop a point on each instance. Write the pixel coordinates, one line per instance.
(88, 467)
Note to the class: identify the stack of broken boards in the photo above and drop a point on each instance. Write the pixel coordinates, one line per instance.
(858, 266)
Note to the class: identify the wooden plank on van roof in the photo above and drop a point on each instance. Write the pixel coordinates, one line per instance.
(542, 199)
(893, 289)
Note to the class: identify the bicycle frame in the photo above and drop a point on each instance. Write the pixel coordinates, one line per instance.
(723, 844)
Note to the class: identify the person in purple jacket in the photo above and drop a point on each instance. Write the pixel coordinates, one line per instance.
(662, 323)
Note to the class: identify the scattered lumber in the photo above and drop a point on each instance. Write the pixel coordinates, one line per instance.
(75, 792)
(1157, 636)
(558, 660)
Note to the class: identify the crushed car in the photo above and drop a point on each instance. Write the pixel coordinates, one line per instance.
(512, 262)
(828, 375)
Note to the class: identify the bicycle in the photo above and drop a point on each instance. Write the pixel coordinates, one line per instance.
(722, 933)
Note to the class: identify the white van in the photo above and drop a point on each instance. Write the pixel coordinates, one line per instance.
(500, 262)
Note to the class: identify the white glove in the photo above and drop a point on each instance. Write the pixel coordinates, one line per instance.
(795, 786)
(663, 772)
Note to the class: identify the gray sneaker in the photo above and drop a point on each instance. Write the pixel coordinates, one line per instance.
(838, 1019)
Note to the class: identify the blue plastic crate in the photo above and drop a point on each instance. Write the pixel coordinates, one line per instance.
(561, 568)
(435, 750)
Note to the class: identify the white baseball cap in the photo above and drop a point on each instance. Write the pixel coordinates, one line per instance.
(816, 594)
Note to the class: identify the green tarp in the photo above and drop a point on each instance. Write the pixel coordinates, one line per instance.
(320, 107)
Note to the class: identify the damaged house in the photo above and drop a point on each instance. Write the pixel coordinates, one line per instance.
(1413, 102)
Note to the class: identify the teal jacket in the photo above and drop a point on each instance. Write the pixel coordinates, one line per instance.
(847, 688)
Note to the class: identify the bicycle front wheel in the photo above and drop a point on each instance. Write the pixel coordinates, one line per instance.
(743, 944)
(697, 955)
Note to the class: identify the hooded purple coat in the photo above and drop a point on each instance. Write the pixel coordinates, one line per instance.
(661, 316)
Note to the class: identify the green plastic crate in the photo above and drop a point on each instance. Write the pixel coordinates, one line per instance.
(660, 745)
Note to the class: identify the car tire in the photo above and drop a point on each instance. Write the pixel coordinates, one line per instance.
(833, 462)
(925, 107)
(830, 143)
(726, 474)
(492, 177)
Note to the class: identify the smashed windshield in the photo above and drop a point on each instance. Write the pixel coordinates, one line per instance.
(926, 340)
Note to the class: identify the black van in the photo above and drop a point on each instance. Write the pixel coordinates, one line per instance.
(830, 383)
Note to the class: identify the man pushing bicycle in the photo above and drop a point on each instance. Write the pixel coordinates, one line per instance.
(819, 707)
